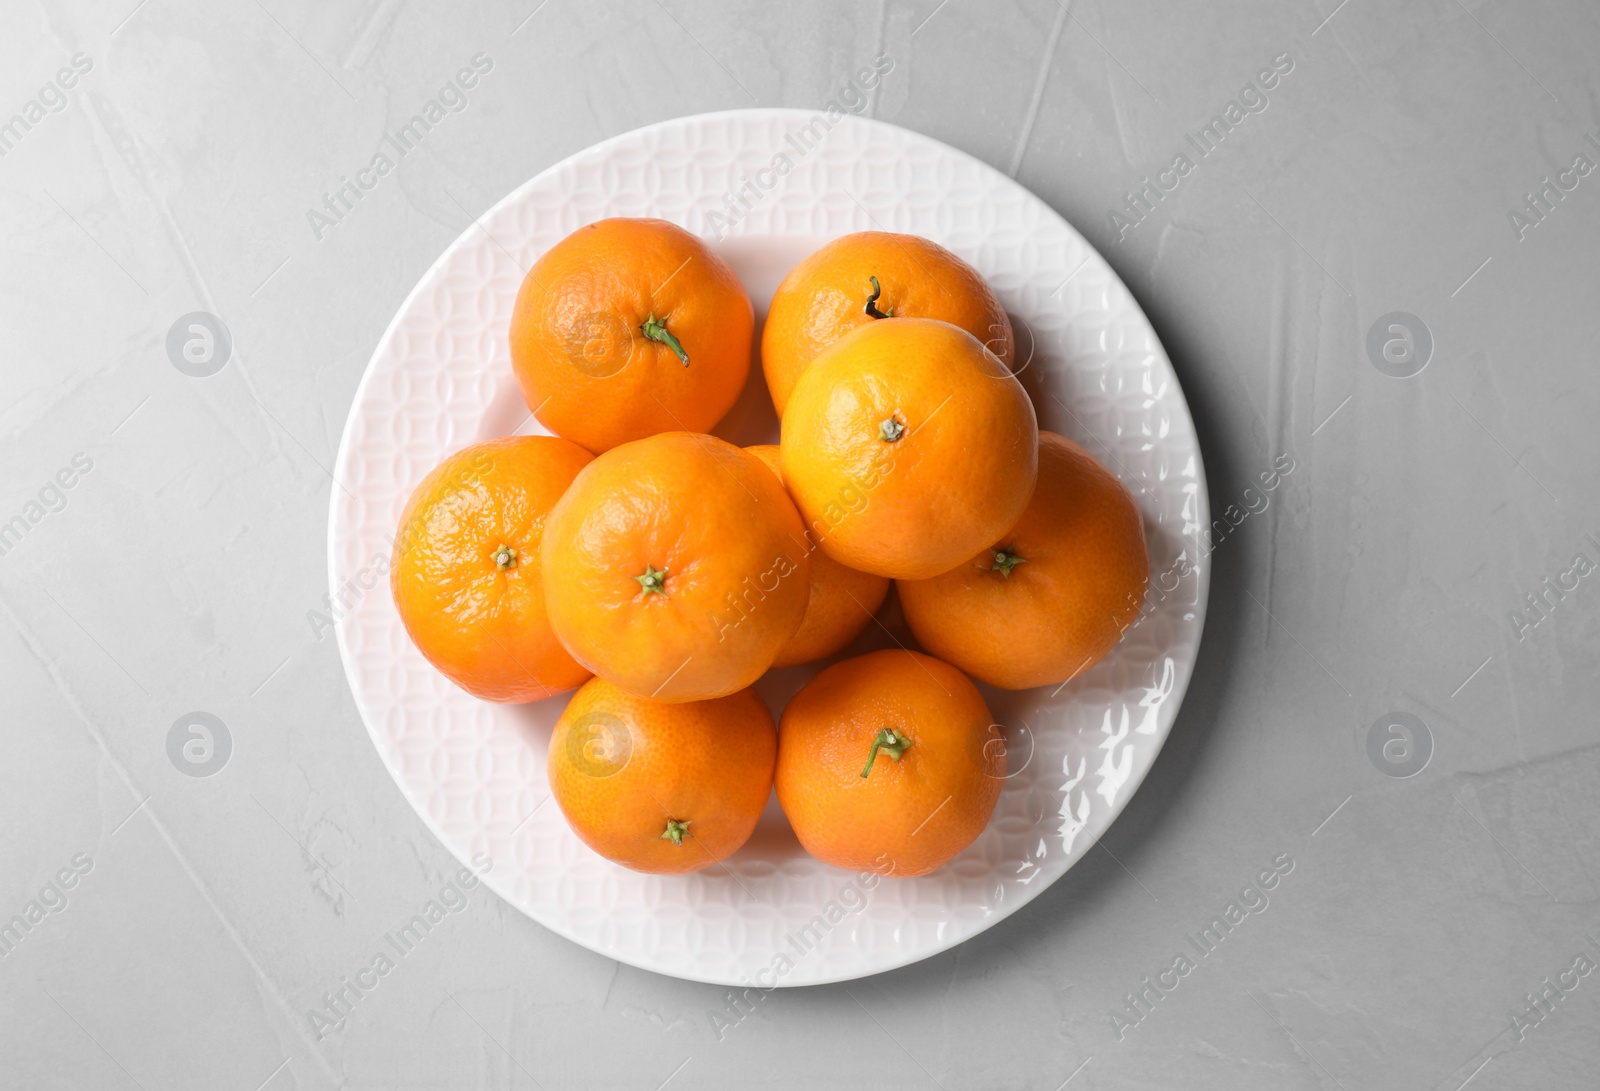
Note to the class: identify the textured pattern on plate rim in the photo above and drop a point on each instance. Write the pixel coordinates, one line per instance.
(441, 379)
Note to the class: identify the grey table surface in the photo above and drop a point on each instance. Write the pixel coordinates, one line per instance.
(1415, 189)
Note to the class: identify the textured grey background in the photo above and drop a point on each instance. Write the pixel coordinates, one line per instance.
(177, 573)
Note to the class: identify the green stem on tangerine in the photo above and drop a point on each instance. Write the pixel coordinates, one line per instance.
(890, 742)
(653, 581)
(1005, 560)
(872, 301)
(676, 831)
(655, 329)
(891, 430)
(505, 557)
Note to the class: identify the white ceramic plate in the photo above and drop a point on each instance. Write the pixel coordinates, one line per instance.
(765, 188)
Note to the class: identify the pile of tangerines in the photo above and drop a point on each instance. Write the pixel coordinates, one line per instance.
(662, 570)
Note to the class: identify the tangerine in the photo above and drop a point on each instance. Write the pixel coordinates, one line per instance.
(465, 574)
(676, 567)
(908, 446)
(630, 327)
(886, 763)
(860, 278)
(1049, 598)
(663, 788)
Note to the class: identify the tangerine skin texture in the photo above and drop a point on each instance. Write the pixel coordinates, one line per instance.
(1081, 585)
(621, 766)
(824, 297)
(729, 540)
(957, 477)
(907, 817)
(841, 603)
(585, 367)
(485, 627)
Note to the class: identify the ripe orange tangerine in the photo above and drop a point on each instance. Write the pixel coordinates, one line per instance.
(865, 277)
(1048, 599)
(466, 577)
(627, 328)
(908, 446)
(886, 763)
(664, 788)
(676, 567)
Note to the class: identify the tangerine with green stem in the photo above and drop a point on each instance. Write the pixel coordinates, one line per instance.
(887, 763)
(869, 276)
(662, 788)
(466, 574)
(676, 567)
(627, 328)
(908, 446)
(1055, 593)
